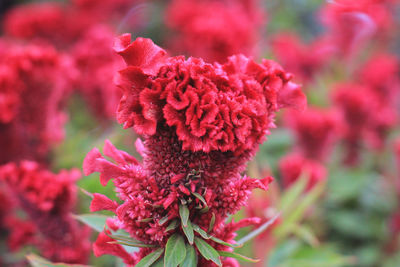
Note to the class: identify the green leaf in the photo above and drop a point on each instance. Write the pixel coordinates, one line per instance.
(290, 197)
(191, 257)
(200, 231)
(159, 263)
(200, 197)
(163, 220)
(207, 251)
(237, 256)
(188, 230)
(292, 219)
(172, 225)
(94, 221)
(306, 234)
(212, 222)
(175, 251)
(146, 220)
(150, 259)
(131, 244)
(184, 213)
(36, 261)
(87, 193)
(258, 231)
(222, 242)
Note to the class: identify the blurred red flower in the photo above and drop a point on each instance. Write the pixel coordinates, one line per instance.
(47, 199)
(213, 29)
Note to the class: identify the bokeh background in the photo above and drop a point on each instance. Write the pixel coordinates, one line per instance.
(348, 212)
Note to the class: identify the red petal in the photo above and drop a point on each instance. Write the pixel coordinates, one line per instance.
(102, 247)
(89, 163)
(292, 96)
(142, 53)
(101, 202)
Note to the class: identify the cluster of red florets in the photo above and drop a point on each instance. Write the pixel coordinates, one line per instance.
(201, 27)
(47, 199)
(368, 106)
(296, 57)
(97, 63)
(35, 80)
(352, 23)
(201, 123)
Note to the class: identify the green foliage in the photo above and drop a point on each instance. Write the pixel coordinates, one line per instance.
(175, 251)
(292, 253)
(95, 221)
(36, 261)
(191, 258)
(207, 251)
(151, 258)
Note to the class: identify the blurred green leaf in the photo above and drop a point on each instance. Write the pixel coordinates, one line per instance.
(36, 261)
(94, 221)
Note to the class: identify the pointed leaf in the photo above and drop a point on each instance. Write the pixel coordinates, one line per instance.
(94, 221)
(150, 259)
(159, 263)
(175, 251)
(188, 230)
(172, 225)
(200, 231)
(291, 220)
(222, 242)
(36, 261)
(212, 222)
(132, 244)
(200, 197)
(290, 197)
(258, 231)
(191, 257)
(305, 233)
(184, 213)
(163, 220)
(237, 256)
(207, 251)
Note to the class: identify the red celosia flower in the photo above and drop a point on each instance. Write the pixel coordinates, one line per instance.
(301, 59)
(352, 23)
(10, 88)
(226, 107)
(97, 64)
(293, 166)
(42, 78)
(112, 11)
(369, 108)
(201, 123)
(355, 103)
(315, 130)
(214, 30)
(380, 73)
(48, 200)
(44, 20)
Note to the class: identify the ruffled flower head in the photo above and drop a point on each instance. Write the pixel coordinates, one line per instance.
(201, 123)
(227, 107)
